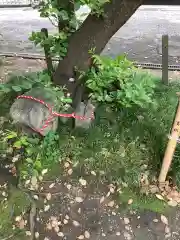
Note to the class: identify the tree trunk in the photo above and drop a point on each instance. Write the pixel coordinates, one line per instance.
(95, 32)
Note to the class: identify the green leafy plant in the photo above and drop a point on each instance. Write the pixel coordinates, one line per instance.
(57, 42)
(22, 84)
(40, 155)
(64, 17)
(36, 154)
(119, 83)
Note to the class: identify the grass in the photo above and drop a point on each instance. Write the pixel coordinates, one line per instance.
(17, 203)
(118, 146)
(121, 143)
(141, 202)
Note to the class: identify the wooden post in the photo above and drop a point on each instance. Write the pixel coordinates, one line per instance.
(47, 54)
(165, 78)
(170, 149)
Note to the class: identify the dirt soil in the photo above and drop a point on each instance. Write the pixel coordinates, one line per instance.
(96, 217)
(89, 212)
(15, 66)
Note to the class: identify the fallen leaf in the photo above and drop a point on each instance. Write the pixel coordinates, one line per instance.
(83, 182)
(65, 221)
(51, 185)
(102, 199)
(34, 181)
(53, 218)
(36, 197)
(153, 189)
(67, 217)
(87, 234)
(60, 234)
(46, 208)
(28, 233)
(80, 237)
(118, 233)
(108, 194)
(164, 219)
(48, 196)
(36, 235)
(173, 194)
(48, 226)
(15, 158)
(167, 230)
(119, 190)
(79, 199)
(130, 201)
(111, 204)
(112, 190)
(27, 182)
(126, 220)
(172, 203)
(66, 164)
(79, 210)
(54, 223)
(44, 171)
(18, 218)
(68, 186)
(22, 224)
(160, 197)
(76, 223)
(93, 173)
(56, 229)
(40, 178)
(127, 236)
(70, 171)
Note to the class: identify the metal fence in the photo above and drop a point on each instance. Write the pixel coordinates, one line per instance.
(16, 3)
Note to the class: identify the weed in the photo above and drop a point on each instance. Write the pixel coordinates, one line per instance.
(119, 83)
(141, 202)
(17, 203)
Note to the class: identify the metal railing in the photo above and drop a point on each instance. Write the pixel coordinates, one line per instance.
(17, 3)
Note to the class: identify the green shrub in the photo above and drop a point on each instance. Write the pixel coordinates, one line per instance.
(20, 84)
(36, 154)
(119, 83)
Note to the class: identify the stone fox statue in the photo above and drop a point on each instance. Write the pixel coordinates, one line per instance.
(32, 115)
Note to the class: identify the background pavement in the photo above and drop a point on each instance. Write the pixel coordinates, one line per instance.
(140, 37)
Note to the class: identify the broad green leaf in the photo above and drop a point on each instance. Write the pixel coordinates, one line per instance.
(11, 135)
(29, 160)
(17, 88)
(17, 144)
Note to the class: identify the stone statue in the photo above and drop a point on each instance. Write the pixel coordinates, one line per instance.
(32, 115)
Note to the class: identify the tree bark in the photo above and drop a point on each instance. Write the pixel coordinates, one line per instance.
(95, 32)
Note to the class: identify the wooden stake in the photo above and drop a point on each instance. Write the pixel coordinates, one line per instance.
(47, 54)
(171, 146)
(165, 78)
